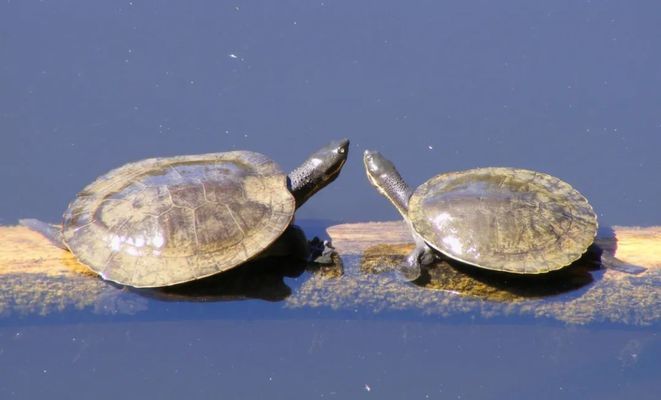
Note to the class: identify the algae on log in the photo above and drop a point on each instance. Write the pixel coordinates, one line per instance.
(40, 278)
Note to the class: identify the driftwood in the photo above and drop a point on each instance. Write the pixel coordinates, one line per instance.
(617, 280)
(634, 245)
(41, 278)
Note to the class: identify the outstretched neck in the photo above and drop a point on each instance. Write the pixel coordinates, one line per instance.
(397, 191)
(302, 183)
(383, 175)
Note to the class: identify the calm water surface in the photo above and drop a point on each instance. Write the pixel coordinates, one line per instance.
(569, 88)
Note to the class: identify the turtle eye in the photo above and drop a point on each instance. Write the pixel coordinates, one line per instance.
(371, 165)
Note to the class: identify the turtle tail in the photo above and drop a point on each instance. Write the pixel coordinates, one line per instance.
(51, 231)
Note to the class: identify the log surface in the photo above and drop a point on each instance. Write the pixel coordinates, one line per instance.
(39, 278)
(635, 245)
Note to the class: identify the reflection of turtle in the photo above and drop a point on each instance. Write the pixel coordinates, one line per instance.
(164, 221)
(504, 219)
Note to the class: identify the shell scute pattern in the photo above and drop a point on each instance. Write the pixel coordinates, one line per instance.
(504, 219)
(184, 217)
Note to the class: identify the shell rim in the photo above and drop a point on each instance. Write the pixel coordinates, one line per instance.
(264, 245)
(417, 196)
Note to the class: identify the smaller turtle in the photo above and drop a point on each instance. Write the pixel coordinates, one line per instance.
(504, 219)
(164, 221)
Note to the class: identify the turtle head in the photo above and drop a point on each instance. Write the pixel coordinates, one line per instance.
(320, 169)
(383, 175)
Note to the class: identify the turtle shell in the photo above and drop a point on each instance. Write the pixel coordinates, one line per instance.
(504, 219)
(163, 221)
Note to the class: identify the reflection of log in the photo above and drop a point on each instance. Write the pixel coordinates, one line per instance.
(638, 246)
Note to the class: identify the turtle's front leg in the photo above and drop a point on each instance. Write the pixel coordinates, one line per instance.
(420, 256)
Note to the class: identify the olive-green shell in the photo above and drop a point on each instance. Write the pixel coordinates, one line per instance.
(504, 219)
(164, 221)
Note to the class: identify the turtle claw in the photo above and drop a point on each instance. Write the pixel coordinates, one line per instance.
(411, 268)
(410, 272)
(321, 251)
(614, 263)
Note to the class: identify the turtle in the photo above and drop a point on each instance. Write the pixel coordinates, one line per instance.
(167, 221)
(498, 218)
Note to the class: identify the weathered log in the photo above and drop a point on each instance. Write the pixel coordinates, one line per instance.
(636, 245)
(41, 278)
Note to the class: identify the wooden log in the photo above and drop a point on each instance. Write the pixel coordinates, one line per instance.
(625, 288)
(24, 251)
(41, 278)
(635, 245)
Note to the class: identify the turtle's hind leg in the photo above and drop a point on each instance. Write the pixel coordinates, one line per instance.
(51, 231)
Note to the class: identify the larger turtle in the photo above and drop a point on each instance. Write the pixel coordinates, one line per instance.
(164, 221)
(503, 219)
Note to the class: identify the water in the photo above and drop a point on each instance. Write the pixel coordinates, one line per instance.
(326, 359)
(568, 88)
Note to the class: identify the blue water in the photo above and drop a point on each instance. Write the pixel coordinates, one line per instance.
(565, 87)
